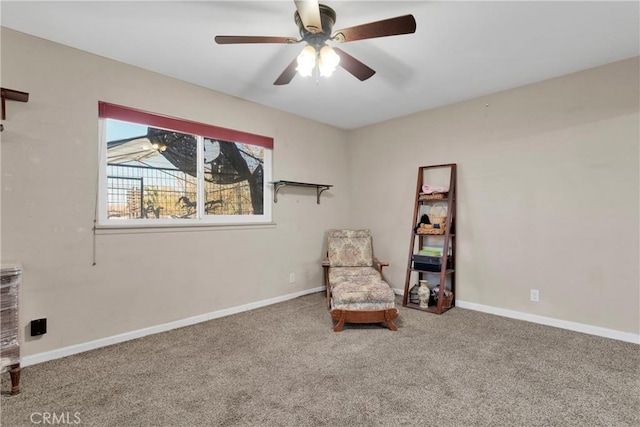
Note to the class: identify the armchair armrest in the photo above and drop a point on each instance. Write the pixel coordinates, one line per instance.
(382, 263)
(377, 264)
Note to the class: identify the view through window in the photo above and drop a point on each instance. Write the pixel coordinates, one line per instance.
(170, 176)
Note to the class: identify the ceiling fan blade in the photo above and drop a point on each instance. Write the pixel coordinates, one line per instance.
(388, 27)
(361, 71)
(288, 74)
(254, 39)
(309, 12)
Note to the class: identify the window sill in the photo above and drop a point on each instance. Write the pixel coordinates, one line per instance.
(170, 228)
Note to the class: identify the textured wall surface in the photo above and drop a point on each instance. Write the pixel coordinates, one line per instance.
(548, 191)
(548, 198)
(49, 170)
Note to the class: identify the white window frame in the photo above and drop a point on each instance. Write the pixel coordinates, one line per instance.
(201, 218)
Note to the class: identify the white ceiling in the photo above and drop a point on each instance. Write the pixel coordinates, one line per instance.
(460, 50)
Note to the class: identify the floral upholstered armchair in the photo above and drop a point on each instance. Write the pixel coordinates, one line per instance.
(356, 290)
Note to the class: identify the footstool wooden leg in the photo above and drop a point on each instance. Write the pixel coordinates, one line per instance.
(341, 319)
(389, 315)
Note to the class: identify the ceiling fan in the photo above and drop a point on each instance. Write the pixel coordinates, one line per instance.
(315, 22)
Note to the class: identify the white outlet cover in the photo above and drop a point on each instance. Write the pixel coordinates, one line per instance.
(534, 295)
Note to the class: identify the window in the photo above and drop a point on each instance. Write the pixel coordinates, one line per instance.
(158, 170)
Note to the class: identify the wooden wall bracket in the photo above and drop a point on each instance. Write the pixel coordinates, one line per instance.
(11, 95)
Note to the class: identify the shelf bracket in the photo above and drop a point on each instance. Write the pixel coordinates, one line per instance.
(320, 188)
(11, 95)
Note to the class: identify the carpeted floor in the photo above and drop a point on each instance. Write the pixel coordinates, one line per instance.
(283, 365)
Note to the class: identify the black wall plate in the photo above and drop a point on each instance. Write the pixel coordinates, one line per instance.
(38, 327)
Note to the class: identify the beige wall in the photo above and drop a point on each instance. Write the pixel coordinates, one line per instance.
(548, 194)
(49, 158)
(548, 198)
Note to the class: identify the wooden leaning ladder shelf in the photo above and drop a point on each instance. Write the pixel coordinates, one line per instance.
(447, 240)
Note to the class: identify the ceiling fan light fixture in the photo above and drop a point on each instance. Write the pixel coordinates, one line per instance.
(328, 61)
(306, 61)
(315, 22)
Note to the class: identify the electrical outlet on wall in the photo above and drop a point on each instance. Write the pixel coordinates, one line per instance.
(292, 278)
(534, 295)
(38, 327)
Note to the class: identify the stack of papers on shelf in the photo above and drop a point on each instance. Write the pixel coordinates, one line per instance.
(430, 251)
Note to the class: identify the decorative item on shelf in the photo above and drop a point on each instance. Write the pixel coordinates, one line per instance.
(447, 298)
(429, 262)
(431, 189)
(413, 295)
(430, 229)
(425, 226)
(424, 219)
(433, 196)
(438, 214)
(424, 293)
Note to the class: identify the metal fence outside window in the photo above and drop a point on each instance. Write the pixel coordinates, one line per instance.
(135, 192)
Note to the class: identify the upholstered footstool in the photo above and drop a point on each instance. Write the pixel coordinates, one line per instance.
(363, 300)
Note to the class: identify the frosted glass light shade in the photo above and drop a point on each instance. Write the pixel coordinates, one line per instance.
(328, 62)
(306, 61)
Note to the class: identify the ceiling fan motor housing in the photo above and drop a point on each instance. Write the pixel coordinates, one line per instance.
(318, 39)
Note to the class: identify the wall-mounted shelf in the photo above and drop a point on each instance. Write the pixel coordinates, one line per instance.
(11, 95)
(277, 185)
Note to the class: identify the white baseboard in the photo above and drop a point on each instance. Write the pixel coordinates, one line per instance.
(549, 321)
(103, 342)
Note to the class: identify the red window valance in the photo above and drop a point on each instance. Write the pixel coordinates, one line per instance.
(118, 112)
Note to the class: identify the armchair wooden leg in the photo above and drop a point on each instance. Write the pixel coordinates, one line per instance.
(327, 285)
